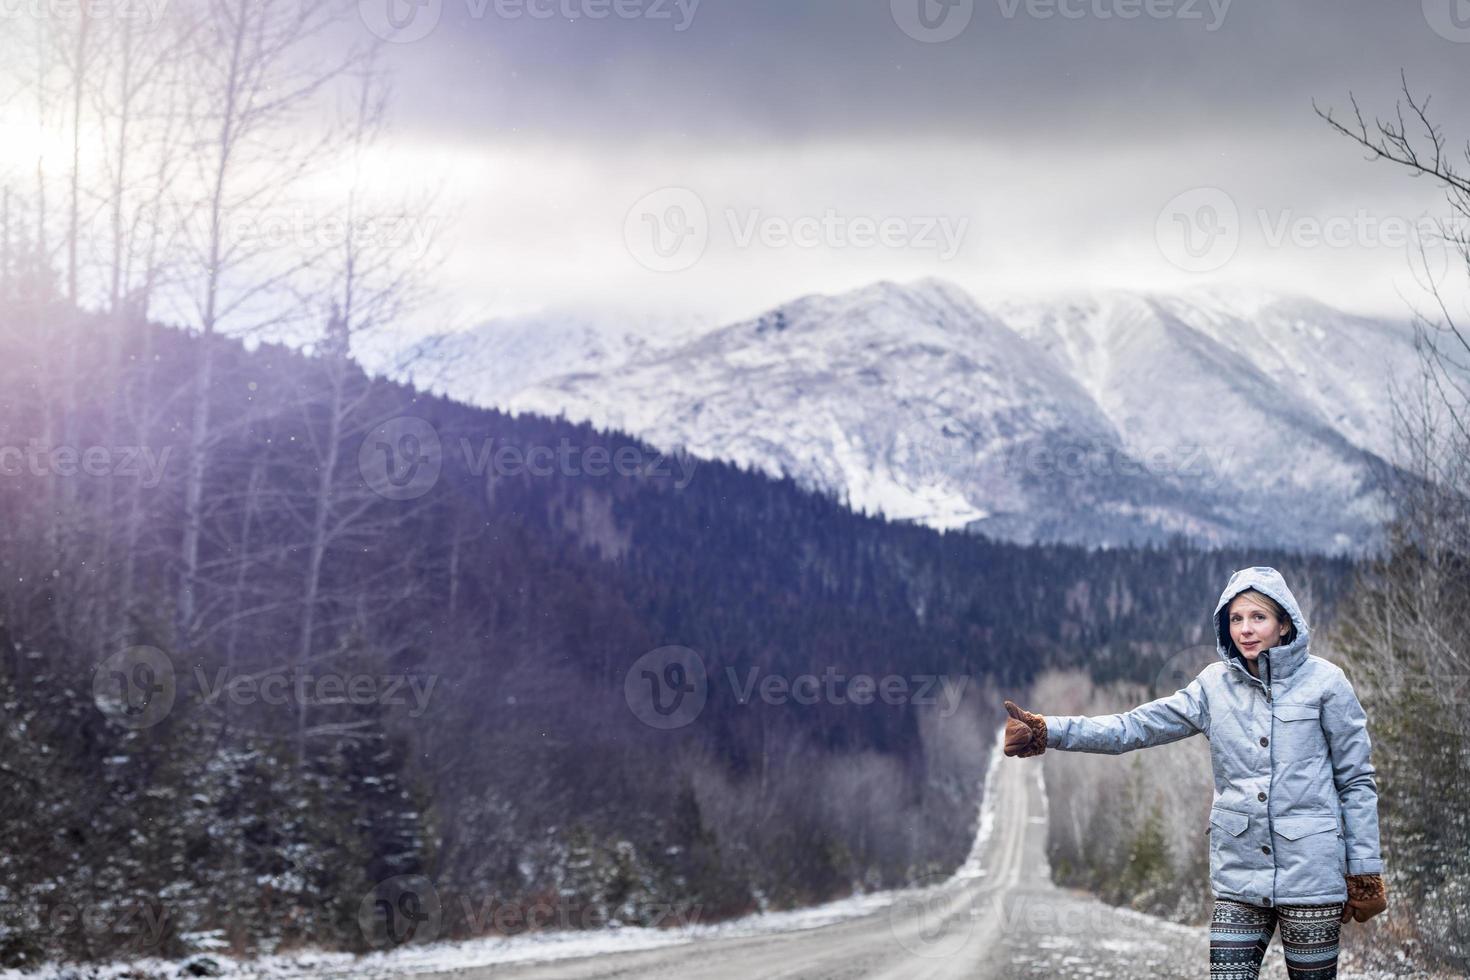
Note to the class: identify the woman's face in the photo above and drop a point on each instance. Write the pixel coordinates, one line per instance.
(1253, 627)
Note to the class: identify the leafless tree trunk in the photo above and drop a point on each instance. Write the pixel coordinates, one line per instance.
(256, 73)
(1405, 631)
(372, 283)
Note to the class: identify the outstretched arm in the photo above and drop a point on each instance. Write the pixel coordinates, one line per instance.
(1161, 721)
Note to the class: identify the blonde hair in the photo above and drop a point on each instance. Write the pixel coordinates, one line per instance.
(1258, 598)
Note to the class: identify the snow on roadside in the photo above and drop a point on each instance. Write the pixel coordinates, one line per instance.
(540, 947)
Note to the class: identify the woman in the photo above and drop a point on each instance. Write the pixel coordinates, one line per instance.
(1294, 822)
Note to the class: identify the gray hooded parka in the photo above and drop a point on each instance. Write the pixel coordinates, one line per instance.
(1296, 801)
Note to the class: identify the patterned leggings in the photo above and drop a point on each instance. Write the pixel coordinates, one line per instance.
(1240, 933)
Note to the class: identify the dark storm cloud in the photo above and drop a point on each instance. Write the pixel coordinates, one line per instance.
(759, 70)
(1083, 143)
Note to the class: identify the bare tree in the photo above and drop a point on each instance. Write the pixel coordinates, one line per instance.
(1405, 630)
(374, 278)
(258, 71)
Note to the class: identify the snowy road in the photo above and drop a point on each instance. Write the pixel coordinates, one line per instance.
(1005, 920)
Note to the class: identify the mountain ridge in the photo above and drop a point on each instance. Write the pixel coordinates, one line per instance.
(1108, 418)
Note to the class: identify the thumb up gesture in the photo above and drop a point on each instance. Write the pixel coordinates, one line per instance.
(1025, 732)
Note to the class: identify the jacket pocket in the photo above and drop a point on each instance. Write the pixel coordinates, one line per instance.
(1298, 712)
(1295, 828)
(1310, 854)
(1230, 870)
(1299, 731)
(1231, 822)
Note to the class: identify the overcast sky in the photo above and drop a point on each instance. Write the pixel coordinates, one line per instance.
(723, 156)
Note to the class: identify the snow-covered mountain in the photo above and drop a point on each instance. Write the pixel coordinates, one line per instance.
(1104, 419)
(490, 364)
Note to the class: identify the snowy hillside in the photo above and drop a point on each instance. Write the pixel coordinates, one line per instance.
(491, 363)
(1105, 419)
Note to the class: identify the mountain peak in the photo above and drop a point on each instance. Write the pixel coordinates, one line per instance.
(914, 400)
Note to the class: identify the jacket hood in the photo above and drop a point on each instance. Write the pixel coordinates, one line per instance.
(1279, 661)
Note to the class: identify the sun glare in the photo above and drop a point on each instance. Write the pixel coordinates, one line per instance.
(22, 143)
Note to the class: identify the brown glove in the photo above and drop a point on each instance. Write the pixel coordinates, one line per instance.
(1025, 732)
(1366, 897)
